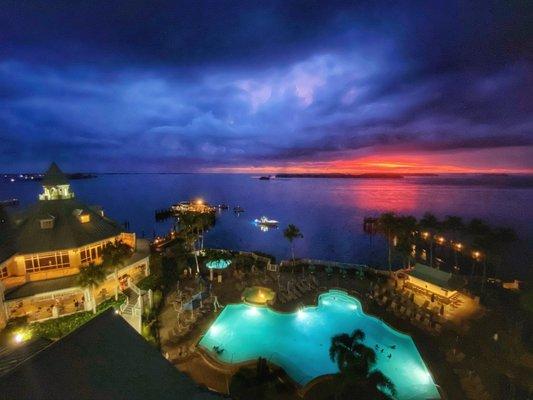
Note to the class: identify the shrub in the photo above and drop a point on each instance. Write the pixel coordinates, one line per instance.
(152, 281)
(158, 297)
(59, 327)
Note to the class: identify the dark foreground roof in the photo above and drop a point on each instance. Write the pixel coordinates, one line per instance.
(432, 275)
(68, 232)
(103, 359)
(37, 287)
(12, 355)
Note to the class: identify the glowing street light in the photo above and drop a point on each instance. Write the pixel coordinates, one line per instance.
(425, 235)
(22, 336)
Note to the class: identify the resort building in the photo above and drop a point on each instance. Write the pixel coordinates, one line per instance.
(43, 248)
(429, 281)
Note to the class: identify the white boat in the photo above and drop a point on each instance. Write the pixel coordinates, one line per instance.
(266, 222)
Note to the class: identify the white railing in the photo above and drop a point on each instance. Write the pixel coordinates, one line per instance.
(125, 304)
(135, 288)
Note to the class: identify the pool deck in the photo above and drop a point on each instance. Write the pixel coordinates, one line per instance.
(216, 375)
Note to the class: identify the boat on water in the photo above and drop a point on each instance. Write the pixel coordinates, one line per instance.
(223, 206)
(264, 221)
(238, 209)
(265, 178)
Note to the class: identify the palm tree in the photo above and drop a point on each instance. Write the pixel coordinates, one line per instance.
(478, 227)
(357, 375)
(387, 224)
(115, 254)
(431, 224)
(405, 230)
(291, 233)
(189, 224)
(90, 277)
(454, 224)
(493, 244)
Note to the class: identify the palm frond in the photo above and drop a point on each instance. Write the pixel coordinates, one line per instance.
(358, 335)
(379, 380)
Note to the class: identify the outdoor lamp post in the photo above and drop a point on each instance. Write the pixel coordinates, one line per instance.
(475, 257)
(426, 236)
(457, 248)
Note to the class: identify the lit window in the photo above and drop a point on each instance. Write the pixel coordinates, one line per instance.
(46, 261)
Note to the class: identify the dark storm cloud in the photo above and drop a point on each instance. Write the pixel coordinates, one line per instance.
(186, 85)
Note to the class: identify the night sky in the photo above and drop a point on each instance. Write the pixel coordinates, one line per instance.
(267, 86)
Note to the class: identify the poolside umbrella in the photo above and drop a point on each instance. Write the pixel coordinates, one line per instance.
(217, 264)
(258, 295)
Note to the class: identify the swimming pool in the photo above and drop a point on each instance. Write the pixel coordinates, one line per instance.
(299, 342)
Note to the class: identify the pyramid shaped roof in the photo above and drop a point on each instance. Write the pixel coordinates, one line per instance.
(54, 176)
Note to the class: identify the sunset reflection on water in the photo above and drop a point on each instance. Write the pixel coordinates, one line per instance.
(379, 196)
(384, 195)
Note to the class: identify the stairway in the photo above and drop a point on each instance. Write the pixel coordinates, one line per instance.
(127, 311)
(132, 300)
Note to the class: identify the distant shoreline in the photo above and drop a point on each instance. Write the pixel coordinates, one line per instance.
(354, 176)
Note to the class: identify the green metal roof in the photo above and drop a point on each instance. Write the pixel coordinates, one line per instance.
(67, 232)
(103, 359)
(432, 275)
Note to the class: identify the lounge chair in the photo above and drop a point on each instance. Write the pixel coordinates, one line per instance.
(301, 287)
(294, 291)
(291, 295)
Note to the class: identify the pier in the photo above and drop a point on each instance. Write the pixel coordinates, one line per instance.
(370, 225)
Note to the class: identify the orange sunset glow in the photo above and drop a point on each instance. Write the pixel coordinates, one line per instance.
(401, 164)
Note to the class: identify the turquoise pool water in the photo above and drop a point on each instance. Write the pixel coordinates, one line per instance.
(299, 342)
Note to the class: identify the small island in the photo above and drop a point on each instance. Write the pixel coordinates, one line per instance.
(380, 175)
